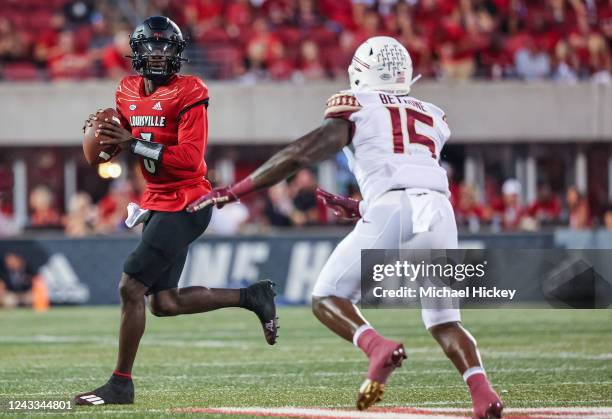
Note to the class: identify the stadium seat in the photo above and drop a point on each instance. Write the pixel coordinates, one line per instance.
(19, 72)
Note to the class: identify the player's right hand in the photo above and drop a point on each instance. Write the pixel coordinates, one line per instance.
(218, 197)
(343, 207)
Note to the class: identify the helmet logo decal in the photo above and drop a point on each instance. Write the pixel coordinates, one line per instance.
(381, 63)
(392, 57)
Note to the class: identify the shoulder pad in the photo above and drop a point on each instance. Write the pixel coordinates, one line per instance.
(128, 88)
(436, 110)
(342, 105)
(192, 91)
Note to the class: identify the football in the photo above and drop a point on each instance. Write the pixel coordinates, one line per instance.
(96, 153)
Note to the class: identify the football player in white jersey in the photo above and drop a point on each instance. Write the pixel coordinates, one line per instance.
(393, 142)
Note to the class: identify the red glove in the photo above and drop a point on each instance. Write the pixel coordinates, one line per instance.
(222, 196)
(342, 206)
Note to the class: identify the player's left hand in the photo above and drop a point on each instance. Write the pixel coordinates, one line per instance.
(89, 121)
(343, 207)
(114, 134)
(218, 197)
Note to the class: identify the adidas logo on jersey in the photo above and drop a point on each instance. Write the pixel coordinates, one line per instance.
(157, 107)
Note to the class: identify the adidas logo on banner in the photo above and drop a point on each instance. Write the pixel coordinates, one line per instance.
(63, 282)
(157, 107)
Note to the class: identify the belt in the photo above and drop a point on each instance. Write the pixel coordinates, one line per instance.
(403, 189)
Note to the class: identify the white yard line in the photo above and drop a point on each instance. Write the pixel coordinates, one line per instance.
(401, 412)
(383, 412)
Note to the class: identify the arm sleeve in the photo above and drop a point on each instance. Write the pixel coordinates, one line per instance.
(188, 154)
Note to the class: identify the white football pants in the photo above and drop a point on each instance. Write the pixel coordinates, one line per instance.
(402, 219)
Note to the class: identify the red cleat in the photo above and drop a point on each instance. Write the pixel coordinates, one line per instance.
(485, 401)
(385, 356)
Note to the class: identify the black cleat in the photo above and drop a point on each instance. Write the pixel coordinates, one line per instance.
(116, 391)
(259, 298)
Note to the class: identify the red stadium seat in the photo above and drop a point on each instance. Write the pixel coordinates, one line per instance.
(289, 35)
(215, 35)
(322, 36)
(222, 58)
(39, 20)
(19, 72)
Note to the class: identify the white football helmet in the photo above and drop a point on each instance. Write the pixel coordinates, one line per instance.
(381, 63)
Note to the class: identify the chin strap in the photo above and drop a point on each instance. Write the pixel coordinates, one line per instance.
(414, 80)
(391, 90)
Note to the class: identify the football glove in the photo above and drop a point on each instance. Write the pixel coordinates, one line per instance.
(343, 207)
(222, 196)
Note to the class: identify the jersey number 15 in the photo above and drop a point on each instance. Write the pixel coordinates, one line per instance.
(399, 129)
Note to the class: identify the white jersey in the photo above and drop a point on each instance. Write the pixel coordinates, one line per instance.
(396, 141)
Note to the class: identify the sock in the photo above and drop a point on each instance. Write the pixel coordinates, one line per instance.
(368, 340)
(473, 371)
(358, 333)
(120, 377)
(243, 298)
(477, 381)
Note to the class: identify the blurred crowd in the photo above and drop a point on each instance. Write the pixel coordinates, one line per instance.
(20, 285)
(503, 210)
(303, 40)
(16, 280)
(498, 208)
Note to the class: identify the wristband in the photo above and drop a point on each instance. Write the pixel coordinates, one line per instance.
(147, 149)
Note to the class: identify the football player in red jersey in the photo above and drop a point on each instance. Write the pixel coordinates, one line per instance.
(164, 121)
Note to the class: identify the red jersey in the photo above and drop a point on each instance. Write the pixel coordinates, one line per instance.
(175, 116)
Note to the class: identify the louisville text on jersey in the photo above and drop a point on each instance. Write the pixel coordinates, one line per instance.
(147, 121)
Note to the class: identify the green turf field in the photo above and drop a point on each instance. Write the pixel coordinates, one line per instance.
(535, 358)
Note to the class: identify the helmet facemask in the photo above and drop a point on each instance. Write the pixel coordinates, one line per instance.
(156, 59)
